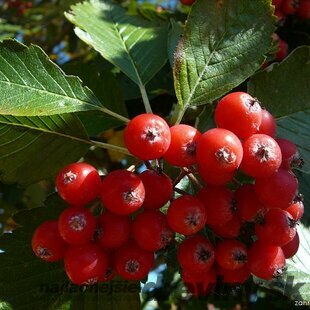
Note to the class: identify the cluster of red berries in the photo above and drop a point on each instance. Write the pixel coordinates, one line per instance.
(19, 6)
(283, 8)
(252, 224)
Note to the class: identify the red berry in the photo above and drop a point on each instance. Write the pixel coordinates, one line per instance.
(239, 113)
(277, 190)
(303, 11)
(219, 150)
(187, 2)
(113, 230)
(122, 192)
(196, 254)
(86, 264)
(291, 248)
(231, 254)
(213, 177)
(268, 125)
(230, 229)
(47, 243)
(151, 230)
(182, 149)
(261, 156)
(290, 6)
(186, 215)
(266, 261)
(133, 262)
(296, 208)
(219, 203)
(249, 207)
(199, 283)
(78, 184)
(76, 226)
(276, 228)
(147, 136)
(282, 50)
(238, 276)
(290, 154)
(158, 189)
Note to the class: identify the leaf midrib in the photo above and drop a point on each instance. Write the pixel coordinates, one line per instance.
(50, 92)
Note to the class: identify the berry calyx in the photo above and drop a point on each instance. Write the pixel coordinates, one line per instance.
(231, 254)
(240, 113)
(147, 136)
(132, 262)
(122, 192)
(78, 184)
(186, 215)
(196, 254)
(219, 150)
(47, 243)
(76, 226)
(261, 156)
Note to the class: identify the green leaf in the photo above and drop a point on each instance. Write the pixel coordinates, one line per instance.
(296, 282)
(173, 39)
(283, 90)
(106, 88)
(26, 282)
(33, 85)
(35, 148)
(283, 87)
(296, 128)
(136, 46)
(224, 43)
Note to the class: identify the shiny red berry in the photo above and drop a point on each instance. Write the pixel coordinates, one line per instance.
(240, 113)
(237, 276)
(261, 156)
(86, 264)
(231, 254)
(268, 125)
(249, 207)
(147, 136)
(219, 203)
(196, 253)
(215, 178)
(47, 243)
(151, 230)
(182, 149)
(186, 215)
(78, 184)
(122, 192)
(113, 230)
(276, 228)
(230, 229)
(303, 11)
(290, 155)
(265, 261)
(132, 262)
(277, 190)
(219, 150)
(76, 226)
(296, 208)
(158, 189)
(199, 283)
(291, 248)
